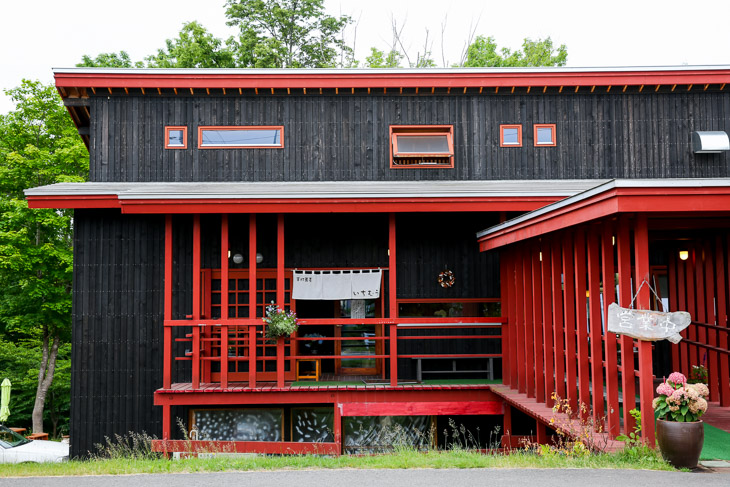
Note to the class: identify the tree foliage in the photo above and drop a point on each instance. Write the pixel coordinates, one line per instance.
(286, 33)
(109, 60)
(195, 47)
(483, 52)
(38, 145)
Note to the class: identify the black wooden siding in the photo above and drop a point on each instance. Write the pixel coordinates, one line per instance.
(345, 137)
(117, 326)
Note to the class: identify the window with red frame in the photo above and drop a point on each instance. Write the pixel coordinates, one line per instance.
(422, 146)
(176, 137)
(510, 135)
(241, 137)
(545, 135)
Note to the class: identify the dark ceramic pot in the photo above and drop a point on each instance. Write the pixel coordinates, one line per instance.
(680, 443)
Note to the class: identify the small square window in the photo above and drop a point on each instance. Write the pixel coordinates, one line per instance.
(545, 135)
(510, 135)
(176, 137)
(425, 146)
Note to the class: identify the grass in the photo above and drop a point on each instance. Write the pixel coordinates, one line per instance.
(717, 444)
(404, 458)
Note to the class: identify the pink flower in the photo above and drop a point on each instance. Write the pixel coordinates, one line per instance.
(677, 378)
(665, 389)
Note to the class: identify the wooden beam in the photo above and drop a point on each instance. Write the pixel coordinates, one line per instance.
(224, 301)
(393, 298)
(520, 313)
(569, 316)
(167, 313)
(581, 318)
(609, 339)
(623, 249)
(595, 312)
(537, 316)
(558, 326)
(252, 329)
(196, 315)
(280, 297)
(547, 322)
(529, 321)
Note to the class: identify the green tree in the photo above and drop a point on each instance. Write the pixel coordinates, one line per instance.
(195, 47)
(286, 33)
(378, 59)
(109, 60)
(483, 53)
(38, 145)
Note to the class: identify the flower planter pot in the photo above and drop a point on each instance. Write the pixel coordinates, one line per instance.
(680, 443)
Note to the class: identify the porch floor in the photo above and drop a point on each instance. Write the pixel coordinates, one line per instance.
(717, 416)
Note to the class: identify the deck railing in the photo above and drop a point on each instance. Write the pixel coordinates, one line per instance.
(204, 340)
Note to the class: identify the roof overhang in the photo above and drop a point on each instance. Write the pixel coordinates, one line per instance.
(675, 197)
(308, 197)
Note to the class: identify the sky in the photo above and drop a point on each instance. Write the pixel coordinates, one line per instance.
(37, 35)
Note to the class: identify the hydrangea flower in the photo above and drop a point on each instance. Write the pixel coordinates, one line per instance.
(677, 378)
(665, 389)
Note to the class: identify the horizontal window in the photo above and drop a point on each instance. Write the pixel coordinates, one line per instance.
(421, 146)
(545, 134)
(176, 137)
(249, 137)
(510, 135)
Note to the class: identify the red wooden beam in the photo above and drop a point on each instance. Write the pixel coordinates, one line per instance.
(581, 317)
(224, 301)
(392, 298)
(711, 336)
(673, 298)
(623, 248)
(513, 313)
(196, 314)
(537, 323)
(722, 308)
(280, 372)
(569, 314)
(682, 306)
(558, 327)
(643, 301)
(529, 321)
(252, 333)
(504, 300)
(547, 323)
(595, 312)
(422, 408)
(167, 331)
(609, 296)
(520, 313)
(260, 447)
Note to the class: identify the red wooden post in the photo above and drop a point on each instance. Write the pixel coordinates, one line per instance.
(537, 324)
(722, 321)
(338, 427)
(558, 329)
(692, 300)
(547, 322)
(520, 312)
(711, 337)
(392, 300)
(581, 317)
(196, 302)
(252, 333)
(507, 429)
(701, 331)
(166, 422)
(529, 321)
(167, 331)
(672, 279)
(224, 301)
(643, 301)
(569, 314)
(682, 306)
(595, 312)
(280, 372)
(512, 323)
(504, 300)
(609, 296)
(628, 379)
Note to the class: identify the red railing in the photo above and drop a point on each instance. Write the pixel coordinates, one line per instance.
(206, 339)
(711, 347)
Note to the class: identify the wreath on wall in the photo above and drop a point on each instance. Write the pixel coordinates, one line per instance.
(446, 279)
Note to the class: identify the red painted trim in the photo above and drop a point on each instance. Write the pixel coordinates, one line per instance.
(390, 79)
(519, 135)
(595, 312)
(260, 447)
(547, 324)
(544, 126)
(623, 248)
(609, 339)
(643, 301)
(77, 201)
(184, 129)
(241, 127)
(581, 318)
(421, 408)
(396, 130)
(558, 327)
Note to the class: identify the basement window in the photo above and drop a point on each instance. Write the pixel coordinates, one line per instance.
(248, 137)
(422, 146)
(510, 135)
(176, 137)
(545, 134)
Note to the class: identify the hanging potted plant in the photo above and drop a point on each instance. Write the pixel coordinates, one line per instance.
(280, 323)
(680, 432)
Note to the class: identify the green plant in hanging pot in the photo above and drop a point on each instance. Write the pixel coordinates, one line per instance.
(280, 323)
(678, 409)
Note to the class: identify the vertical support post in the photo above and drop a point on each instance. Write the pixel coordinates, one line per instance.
(595, 312)
(280, 372)
(507, 421)
(166, 422)
(569, 314)
(520, 313)
(252, 329)
(643, 301)
(691, 288)
(196, 301)
(504, 300)
(558, 327)
(529, 321)
(537, 323)
(711, 336)
(512, 322)
(167, 330)
(673, 299)
(392, 300)
(224, 301)
(338, 427)
(722, 322)
(581, 317)
(542, 437)
(682, 306)
(609, 296)
(628, 379)
(547, 322)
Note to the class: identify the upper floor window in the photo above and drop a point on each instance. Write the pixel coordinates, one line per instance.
(176, 137)
(545, 134)
(422, 146)
(510, 135)
(248, 137)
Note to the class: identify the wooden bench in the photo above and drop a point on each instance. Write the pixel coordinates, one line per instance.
(38, 436)
(454, 370)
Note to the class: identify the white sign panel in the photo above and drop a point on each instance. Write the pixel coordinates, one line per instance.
(647, 324)
(331, 285)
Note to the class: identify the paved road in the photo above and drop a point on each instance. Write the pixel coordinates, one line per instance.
(400, 478)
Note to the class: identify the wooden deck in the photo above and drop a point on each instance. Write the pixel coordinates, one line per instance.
(717, 416)
(215, 387)
(547, 417)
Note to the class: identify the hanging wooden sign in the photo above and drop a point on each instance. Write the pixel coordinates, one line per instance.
(648, 325)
